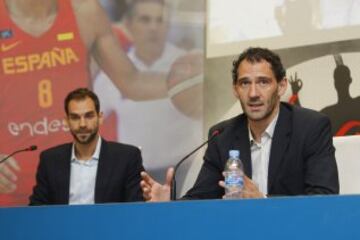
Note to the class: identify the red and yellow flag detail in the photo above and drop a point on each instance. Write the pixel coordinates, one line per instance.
(65, 36)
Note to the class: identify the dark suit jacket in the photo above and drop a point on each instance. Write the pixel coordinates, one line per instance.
(117, 180)
(302, 157)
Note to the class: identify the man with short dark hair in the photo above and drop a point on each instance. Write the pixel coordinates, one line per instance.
(286, 150)
(89, 170)
(46, 47)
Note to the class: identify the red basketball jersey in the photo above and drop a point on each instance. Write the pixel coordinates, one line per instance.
(36, 73)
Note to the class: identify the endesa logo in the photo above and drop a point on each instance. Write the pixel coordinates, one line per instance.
(42, 127)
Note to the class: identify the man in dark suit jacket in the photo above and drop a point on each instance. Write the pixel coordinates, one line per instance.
(293, 144)
(301, 162)
(89, 170)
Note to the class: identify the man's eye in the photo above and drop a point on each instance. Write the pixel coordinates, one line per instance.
(89, 115)
(74, 117)
(264, 82)
(244, 83)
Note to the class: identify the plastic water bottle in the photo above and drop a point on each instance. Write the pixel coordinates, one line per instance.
(234, 175)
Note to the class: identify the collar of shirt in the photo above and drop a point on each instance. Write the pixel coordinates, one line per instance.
(268, 133)
(95, 157)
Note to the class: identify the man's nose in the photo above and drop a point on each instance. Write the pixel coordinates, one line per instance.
(82, 122)
(253, 91)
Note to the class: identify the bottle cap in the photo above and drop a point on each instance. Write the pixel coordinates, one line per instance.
(234, 153)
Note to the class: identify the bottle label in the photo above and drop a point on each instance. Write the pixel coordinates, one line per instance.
(234, 179)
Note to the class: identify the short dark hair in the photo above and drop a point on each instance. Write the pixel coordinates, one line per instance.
(133, 3)
(81, 94)
(257, 54)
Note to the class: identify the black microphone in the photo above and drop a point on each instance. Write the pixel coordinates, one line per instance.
(173, 182)
(31, 148)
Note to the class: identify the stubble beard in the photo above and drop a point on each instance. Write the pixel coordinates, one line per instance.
(87, 140)
(271, 106)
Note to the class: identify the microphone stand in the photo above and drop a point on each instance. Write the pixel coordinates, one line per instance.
(31, 148)
(173, 182)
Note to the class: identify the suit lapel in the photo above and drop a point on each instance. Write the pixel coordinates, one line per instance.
(279, 143)
(103, 173)
(242, 143)
(63, 174)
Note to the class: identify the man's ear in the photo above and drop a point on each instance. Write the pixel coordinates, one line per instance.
(282, 86)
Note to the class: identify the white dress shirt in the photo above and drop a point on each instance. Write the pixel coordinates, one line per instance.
(83, 177)
(260, 156)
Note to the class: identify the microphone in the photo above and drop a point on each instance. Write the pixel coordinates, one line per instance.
(173, 182)
(31, 148)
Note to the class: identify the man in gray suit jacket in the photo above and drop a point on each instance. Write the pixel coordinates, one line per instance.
(285, 150)
(89, 170)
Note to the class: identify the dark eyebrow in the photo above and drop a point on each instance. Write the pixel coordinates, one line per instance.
(73, 115)
(264, 78)
(90, 113)
(242, 79)
(85, 114)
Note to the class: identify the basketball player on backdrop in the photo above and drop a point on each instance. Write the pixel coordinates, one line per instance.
(45, 50)
(151, 124)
